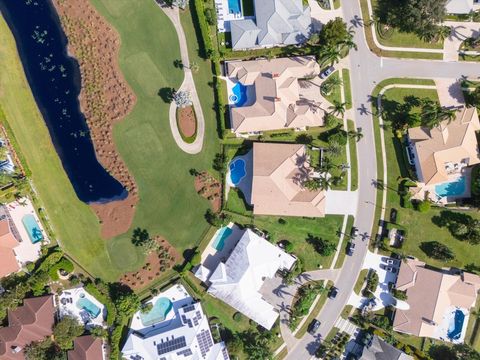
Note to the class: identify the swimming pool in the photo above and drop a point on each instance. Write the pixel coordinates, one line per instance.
(159, 312)
(33, 230)
(222, 235)
(85, 304)
(239, 96)
(456, 325)
(452, 188)
(234, 6)
(237, 171)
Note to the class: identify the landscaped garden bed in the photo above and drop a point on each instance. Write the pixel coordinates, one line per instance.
(157, 263)
(187, 123)
(209, 188)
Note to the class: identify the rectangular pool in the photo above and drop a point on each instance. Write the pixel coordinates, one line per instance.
(222, 235)
(33, 230)
(92, 309)
(452, 188)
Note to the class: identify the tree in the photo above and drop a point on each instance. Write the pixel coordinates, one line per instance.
(182, 99)
(256, 344)
(414, 16)
(288, 246)
(210, 16)
(444, 32)
(330, 120)
(334, 148)
(357, 135)
(127, 303)
(338, 108)
(219, 162)
(321, 246)
(333, 33)
(437, 250)
(432, 114)
(456, 352)
(66, 330)
(43, 350)
(325, 182)
(217, 219)
(424, 206)
(329, 56)
(329, 84)
(235, 345)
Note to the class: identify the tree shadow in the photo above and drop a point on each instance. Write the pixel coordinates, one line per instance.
(166, 94)
(139, 236)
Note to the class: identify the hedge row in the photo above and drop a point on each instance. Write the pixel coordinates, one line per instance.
(204, 29)
(105, 300)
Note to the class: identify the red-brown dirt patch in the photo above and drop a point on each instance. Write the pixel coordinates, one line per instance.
(155, 265)
(105, 99)
(209, 188)
(187, 123)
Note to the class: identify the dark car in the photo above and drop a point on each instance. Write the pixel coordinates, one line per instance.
(350, 248)
(354, 232)
(332, 294)
(325, 73)
(313, 326)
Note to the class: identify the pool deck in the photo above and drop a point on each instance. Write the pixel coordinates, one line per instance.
(441, 332)
(251, 95)
(224, 16)
(178, 296)
(245, 185)
(70, 307)
(26, 251)
(212, 257)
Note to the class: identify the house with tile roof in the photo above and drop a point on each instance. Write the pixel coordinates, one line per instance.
(276, 22)
(31, 322)
(275, 97)
(279, 172)
(433, 296)
(443, 152)
(381, 350)
(87, 348)
(8, 243)
(238, 280)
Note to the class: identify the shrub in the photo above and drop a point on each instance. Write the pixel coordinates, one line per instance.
(400, 295)
(339, 137)
(237, 316)
(210, 16)
(424, 206)
(288, 246)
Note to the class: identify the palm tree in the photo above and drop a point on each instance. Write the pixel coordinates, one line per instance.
(338, 108)
(312, 184)
(329, 56)
(444, 32)
(325, 183)
(433, 114)
(329, 84)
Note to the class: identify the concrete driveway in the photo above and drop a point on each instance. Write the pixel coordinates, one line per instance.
(461, 30)
(341, 202)
(450, 92)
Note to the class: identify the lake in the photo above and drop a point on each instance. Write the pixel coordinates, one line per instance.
(54, 78)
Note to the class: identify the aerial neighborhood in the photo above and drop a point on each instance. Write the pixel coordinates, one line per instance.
(239, 179)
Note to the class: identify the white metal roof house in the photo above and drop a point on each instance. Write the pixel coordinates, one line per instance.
(277, 22)
(459, 6)
(175, 328)
(238, 280)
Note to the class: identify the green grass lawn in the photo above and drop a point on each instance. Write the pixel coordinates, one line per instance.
(360, 281)
(343, 250)
(420, 226)
(472, 336)
(347, 88)
(168, 200)
(335, 94)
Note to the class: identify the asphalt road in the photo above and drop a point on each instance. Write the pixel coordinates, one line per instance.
(367, 70)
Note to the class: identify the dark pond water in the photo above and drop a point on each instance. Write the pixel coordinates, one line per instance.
(55, 81)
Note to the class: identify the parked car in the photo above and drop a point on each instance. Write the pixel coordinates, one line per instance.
(325, 73)
(391, 269)
(332, 294)
(350, 248)
(313, 327)
(354, 232)
(391, 262)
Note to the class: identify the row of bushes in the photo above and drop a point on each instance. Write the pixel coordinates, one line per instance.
(208, 48)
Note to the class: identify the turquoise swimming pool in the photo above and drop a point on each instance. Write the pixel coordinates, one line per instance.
(85, 304)
(33, 230)
(237, 171)
(159, 312)
(456, 325)
(239, 96)
(452, 188)
(222, 235)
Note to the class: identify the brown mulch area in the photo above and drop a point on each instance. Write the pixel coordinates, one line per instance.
(105, 99)
(187, 123)
(156, 264)
(209, 188)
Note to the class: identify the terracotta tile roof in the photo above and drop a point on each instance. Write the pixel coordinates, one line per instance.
(448, 143)
(86, 348)
(31, 322)
(278, 103)
(430, 293)
(9, 263)
(279, 171)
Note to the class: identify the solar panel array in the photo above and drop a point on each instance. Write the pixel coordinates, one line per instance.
(171, 345)
(205, 341)
(186, 352)
(189, 308)
(225, 354)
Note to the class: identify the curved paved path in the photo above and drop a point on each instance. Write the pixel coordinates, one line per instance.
(187, 85)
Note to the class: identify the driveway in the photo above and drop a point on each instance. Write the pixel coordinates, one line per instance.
(450, 92)
(341, 202)
(461, 30)
(321, 16)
